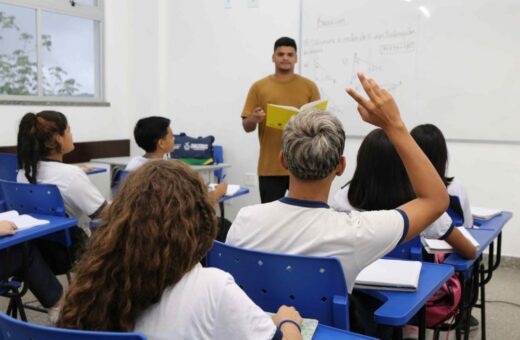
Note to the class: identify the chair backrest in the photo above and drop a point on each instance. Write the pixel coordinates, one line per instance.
(409, 250)
(218, 157)
(15, 329)
(27, 198)
(8, 166)
(315, 286)
(455, 211)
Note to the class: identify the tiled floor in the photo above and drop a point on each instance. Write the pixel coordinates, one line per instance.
(503, 307)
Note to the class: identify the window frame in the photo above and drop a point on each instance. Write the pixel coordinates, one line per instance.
(79, 10)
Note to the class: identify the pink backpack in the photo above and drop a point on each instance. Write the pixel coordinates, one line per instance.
(444, 304)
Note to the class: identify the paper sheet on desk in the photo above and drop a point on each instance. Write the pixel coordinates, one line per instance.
(440, 246)
(21, 221)
(231, 189)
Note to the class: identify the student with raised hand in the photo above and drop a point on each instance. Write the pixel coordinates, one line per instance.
(43, 139)
(380, 182)
(432, 142)
(141, 270)
(155, 136)
(26, 262)
(302, 223)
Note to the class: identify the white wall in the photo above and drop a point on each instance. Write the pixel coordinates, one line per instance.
(193, 61)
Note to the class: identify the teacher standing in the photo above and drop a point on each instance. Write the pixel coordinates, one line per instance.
(284, 87)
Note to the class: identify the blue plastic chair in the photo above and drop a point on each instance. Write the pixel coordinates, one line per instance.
(455, 211)
(42, 199)
(8, 166)
(218, 157)
(15, 329)
(315, 286)
(409, 250)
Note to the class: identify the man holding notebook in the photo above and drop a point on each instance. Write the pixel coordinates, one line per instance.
(284, 87)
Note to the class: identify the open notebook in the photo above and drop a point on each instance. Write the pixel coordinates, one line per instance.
(308, 327)
(21, 221)
(390, 274)
(231, 188)
(440, 246)
(484, 213)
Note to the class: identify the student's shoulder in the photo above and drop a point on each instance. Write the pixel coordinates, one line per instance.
(456, 187)
(61, 168)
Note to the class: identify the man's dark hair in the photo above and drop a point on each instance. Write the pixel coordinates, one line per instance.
(285, 41)
(149, 130)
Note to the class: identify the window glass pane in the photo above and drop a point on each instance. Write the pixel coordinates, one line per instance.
(69, 55)
(18, 67)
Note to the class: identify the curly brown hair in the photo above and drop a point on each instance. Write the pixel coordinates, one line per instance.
(159, 226)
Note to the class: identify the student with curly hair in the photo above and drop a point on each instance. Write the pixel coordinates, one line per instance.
(141, 271)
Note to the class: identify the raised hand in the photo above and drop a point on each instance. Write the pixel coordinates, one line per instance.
(380, 108)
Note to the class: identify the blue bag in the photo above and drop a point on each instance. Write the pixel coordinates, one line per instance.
(189, 147)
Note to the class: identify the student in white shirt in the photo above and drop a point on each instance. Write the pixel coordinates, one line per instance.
(43, 139)
(154, 135)
(380, 182)
(141, 271)
(432, 142)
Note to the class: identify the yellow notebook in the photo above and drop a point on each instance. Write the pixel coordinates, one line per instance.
(279, 115)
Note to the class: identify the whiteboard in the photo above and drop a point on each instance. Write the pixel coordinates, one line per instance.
(453, 63)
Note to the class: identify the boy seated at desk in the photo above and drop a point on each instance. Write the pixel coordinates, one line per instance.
(302, 223)
(155, 136)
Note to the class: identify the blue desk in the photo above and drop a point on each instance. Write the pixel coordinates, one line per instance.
(55, 224)
(329, 333)
(93, 171)
(242, 191)
(488, 231)
(400, 307)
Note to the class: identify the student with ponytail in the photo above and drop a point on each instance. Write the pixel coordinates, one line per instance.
(43, 139)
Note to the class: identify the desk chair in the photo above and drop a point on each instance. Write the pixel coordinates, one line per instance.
(315, 286)
(119, 176)
(42, 199)
(14, 329)
(8, 172)
(455, 211)
(8, 166)
(409, 250)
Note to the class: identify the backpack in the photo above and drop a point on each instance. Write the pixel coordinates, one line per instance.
(444, 304)
(190, 147)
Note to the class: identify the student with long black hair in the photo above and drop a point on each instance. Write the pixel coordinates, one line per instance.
(380, 182)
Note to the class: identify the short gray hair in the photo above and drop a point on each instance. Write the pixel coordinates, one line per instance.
(312, 144)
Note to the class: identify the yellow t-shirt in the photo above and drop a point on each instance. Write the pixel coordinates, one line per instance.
(295, 92)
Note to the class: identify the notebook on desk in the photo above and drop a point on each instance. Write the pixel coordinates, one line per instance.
(484, 213)
(231, 188)
(21, 221)
(440, 246)
(390, 274)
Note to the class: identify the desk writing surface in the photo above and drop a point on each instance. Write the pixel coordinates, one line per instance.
(495, 223)
(55, 224)
(330, 333)
(400, 307)
(484, 238)
(123, 161)
(242, 191)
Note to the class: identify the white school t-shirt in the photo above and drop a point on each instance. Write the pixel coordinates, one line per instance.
(81, 198)
(205, 304)
(136, 162)
(440, 229)
(311, 228)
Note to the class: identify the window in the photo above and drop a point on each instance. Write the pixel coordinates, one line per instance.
(50, 50)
